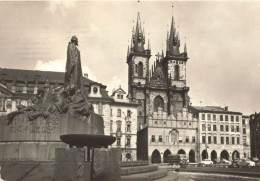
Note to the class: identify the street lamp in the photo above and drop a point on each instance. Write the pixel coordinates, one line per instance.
(256, 130)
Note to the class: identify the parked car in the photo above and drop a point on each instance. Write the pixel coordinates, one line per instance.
(206, 162)
(243, 163)
(225, 161)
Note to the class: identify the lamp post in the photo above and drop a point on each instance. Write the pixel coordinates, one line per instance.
(256, 130)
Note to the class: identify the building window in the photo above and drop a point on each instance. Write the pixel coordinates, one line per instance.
(232, 128)
(118, 141)
(176, 72)
(187, 139)
(203, 116)
(140, 69)
(203, 139)
(227, 130)
(233, 140)
(226, 117)
(119, 113)
(209, 139)
(221, 128)
(237, 130)
(214, 127)
(244, 140)
(111, 126)
(153, 138)
(222, 140)
(180, 139)
(227, 140)
(128, 141)
(193, 139)
(221, 117)
(209, 127)
(158, 102)
(209, 116)
(128, 127)
(244, 130)
(160, 138)
(129, 113)
(203, 127)
(237, 119)
(238, 140)
(232, 118)
(243, 121)
(214, 117)
(118, 126)
(215, 139)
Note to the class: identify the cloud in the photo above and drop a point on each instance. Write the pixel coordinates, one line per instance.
(58, 65)
(60, 6)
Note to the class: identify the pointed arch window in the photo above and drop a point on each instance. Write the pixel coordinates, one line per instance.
(140, 69)
(158, 102)
(176, 72)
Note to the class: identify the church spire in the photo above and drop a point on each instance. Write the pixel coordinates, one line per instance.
(138, 37)
(185, 48)
(173, 40)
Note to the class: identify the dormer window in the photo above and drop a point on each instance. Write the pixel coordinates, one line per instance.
(95, 90)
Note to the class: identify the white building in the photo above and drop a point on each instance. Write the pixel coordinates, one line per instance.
(221, 133)
(120, 119)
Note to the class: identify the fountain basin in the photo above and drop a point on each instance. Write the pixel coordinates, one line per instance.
(90, 140)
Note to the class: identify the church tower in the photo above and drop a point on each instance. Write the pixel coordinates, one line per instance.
(175, 67)
(138, 67)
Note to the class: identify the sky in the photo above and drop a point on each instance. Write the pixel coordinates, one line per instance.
(222, 40)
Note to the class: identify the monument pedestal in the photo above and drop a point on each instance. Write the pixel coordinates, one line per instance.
(74, 164)
(70, 165)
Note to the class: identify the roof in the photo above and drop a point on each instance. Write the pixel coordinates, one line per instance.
(212, 109)
(31, 75)
(9, 75)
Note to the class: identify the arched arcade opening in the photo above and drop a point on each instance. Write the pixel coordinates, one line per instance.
(224, 155)
(165, 155)
(235, 155)
(213, 156)
(156, 157)
(192, 156)
(204, 154)
(181, 151)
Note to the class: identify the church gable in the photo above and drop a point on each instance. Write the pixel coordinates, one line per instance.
(158, 76)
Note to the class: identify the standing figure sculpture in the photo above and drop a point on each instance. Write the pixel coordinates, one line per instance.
(73, 72)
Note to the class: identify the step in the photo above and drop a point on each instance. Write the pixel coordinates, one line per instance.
(138, 169)
(173, 176)
(147, 176)
(134, 163)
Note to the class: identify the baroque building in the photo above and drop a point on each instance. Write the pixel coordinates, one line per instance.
(165, 124)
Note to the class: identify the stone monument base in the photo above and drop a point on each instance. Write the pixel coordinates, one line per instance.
(71, 164)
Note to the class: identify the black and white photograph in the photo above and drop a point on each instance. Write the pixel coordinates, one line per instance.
(138, 90)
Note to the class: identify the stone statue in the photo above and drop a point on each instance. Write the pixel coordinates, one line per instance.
(73, 72)
(67, 99)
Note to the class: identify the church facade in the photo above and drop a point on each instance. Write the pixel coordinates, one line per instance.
(165, 124)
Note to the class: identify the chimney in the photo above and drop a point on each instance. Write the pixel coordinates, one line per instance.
(86, 75)
(226, 108)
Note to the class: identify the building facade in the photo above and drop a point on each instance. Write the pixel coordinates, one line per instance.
(222, 133)
(166, 126)
(255, 134)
